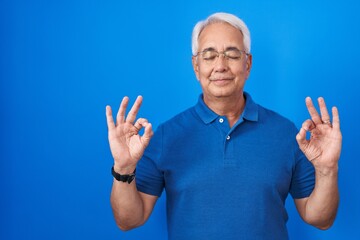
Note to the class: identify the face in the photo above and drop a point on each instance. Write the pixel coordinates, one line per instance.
(223, 77)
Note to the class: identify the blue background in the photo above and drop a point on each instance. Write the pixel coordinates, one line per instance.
(62, 62)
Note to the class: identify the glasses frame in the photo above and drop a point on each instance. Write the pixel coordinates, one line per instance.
(226, 56)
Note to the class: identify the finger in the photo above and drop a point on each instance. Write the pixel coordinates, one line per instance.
(109, 118)
(140, 123)
(120, 117)
(312, 111)
(308, 125)
(301, 137)
(336, 118)
(134, 110)
(323, 110)
(148, 133)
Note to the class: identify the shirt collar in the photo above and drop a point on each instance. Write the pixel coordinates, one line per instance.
(250, 112)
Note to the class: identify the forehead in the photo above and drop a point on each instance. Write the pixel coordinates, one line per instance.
(220, 35)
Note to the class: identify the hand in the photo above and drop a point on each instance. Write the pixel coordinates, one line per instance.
(324, 146)
(127, 146)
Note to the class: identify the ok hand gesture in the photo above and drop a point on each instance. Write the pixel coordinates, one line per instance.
(324, 146)
(127, 146)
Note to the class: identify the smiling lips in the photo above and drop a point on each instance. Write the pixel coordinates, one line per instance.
(220, 80)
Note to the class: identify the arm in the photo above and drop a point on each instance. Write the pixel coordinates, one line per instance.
(130, 207)
(323, 150)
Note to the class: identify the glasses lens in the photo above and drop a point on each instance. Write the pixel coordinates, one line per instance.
(233, 54)
(209, 55)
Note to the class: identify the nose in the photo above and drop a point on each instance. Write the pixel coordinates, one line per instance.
(221, 63)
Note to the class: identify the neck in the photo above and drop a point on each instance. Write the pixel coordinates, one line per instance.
(231, 107)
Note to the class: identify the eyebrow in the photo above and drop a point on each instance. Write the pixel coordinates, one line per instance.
(208, 49)
(213, 49)
(231, 48)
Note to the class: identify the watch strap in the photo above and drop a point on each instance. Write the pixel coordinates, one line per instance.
(123, 178)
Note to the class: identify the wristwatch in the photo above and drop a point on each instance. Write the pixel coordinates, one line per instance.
(123, 178)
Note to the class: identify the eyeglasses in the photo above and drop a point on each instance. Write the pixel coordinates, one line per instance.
(210, 56)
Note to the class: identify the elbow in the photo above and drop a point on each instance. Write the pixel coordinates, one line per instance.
(322, 224)
(126, 221)
(322, 220)
(125, 227)
(325, 226)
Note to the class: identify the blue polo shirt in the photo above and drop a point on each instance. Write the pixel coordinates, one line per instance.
(222, 182)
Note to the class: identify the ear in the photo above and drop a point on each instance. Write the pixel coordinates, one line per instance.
(195, 66)
(248, 64)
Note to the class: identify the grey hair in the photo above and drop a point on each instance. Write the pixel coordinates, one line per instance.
(216, 18)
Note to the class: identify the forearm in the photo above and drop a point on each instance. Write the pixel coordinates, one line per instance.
(127, 205)
(321, 206)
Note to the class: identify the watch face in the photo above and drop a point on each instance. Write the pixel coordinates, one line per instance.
(123, 178)
(131, 178)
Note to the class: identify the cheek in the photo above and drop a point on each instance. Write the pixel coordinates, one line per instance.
(204, 72)
(243, 69)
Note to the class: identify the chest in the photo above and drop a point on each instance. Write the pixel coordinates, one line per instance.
(247, 160)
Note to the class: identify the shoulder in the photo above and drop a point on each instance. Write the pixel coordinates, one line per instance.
(264, 116)
(183, 119)
(175, 130)
(274, 120)
(269, 114)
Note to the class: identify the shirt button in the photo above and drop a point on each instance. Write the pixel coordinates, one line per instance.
(221, 120)
(228, 138)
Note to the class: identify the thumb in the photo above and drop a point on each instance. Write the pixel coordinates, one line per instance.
(301, 138)
(148, 133)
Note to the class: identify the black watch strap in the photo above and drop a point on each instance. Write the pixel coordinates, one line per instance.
(123, 178)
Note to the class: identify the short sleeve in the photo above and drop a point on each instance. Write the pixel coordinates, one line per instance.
(149, 179)
(303, 179)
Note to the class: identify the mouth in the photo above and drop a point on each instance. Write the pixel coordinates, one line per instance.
(220, 78)
(220, 81)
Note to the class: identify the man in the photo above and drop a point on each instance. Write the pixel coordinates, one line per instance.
(227, 164)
